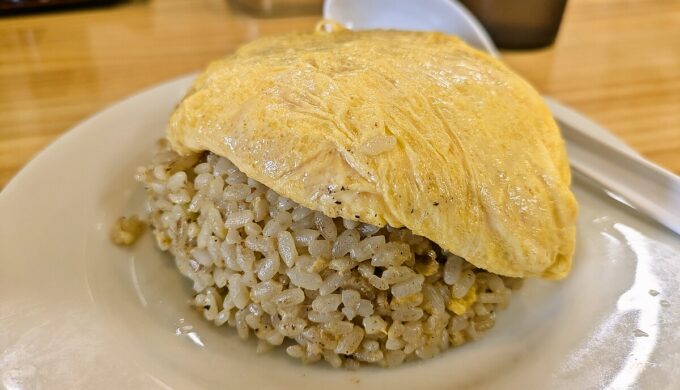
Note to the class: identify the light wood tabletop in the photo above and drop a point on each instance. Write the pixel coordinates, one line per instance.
(617, 61)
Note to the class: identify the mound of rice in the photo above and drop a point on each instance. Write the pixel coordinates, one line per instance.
(323, 288)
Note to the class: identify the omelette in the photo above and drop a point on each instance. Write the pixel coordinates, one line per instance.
(405, 129)
(364, 197)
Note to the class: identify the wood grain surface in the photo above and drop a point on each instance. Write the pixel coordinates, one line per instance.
(617, 61)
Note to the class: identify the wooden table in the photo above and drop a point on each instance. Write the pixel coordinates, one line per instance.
(617, 61)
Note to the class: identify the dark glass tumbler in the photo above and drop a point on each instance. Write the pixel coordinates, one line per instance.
(519, 24)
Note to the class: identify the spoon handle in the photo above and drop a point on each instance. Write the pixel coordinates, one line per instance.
(626, 176)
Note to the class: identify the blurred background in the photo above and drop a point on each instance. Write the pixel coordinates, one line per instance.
(617, 61)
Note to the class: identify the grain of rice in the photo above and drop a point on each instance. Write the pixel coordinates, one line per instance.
(324, 317)
(327, 303)
(345, 242)
(252, 229)
(367, 248)
(304, 279)
(349, 312)
(239, 219)
(287, 248)
(332, 358)
(350, 341)
(378, 283)
(364, 308)
(290, 297)
(268, 267)
(305, 236)
(332, 283)
(339, 327)
(397, 274)
(320, 248)
(295, 351)
(374, 324)
(394, 358)
(291, 326)
(407, 314)
(408, 287)
(265, 290)
(394, 344)
(463, 284)
(326, 226)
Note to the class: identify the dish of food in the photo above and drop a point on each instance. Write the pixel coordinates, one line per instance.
(78, 311)
(360, 197)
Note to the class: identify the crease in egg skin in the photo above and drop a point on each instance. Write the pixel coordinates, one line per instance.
(412, 129)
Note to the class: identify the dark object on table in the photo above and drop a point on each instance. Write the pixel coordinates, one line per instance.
(278, 8)
(11, 7)
(519, 24)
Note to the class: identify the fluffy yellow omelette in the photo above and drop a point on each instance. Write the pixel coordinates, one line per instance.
(409, 129)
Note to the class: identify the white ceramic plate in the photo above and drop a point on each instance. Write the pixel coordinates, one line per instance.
(78, 312)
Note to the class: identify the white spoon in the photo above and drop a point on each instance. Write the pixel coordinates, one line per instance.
(593, 151)
(431, 15)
